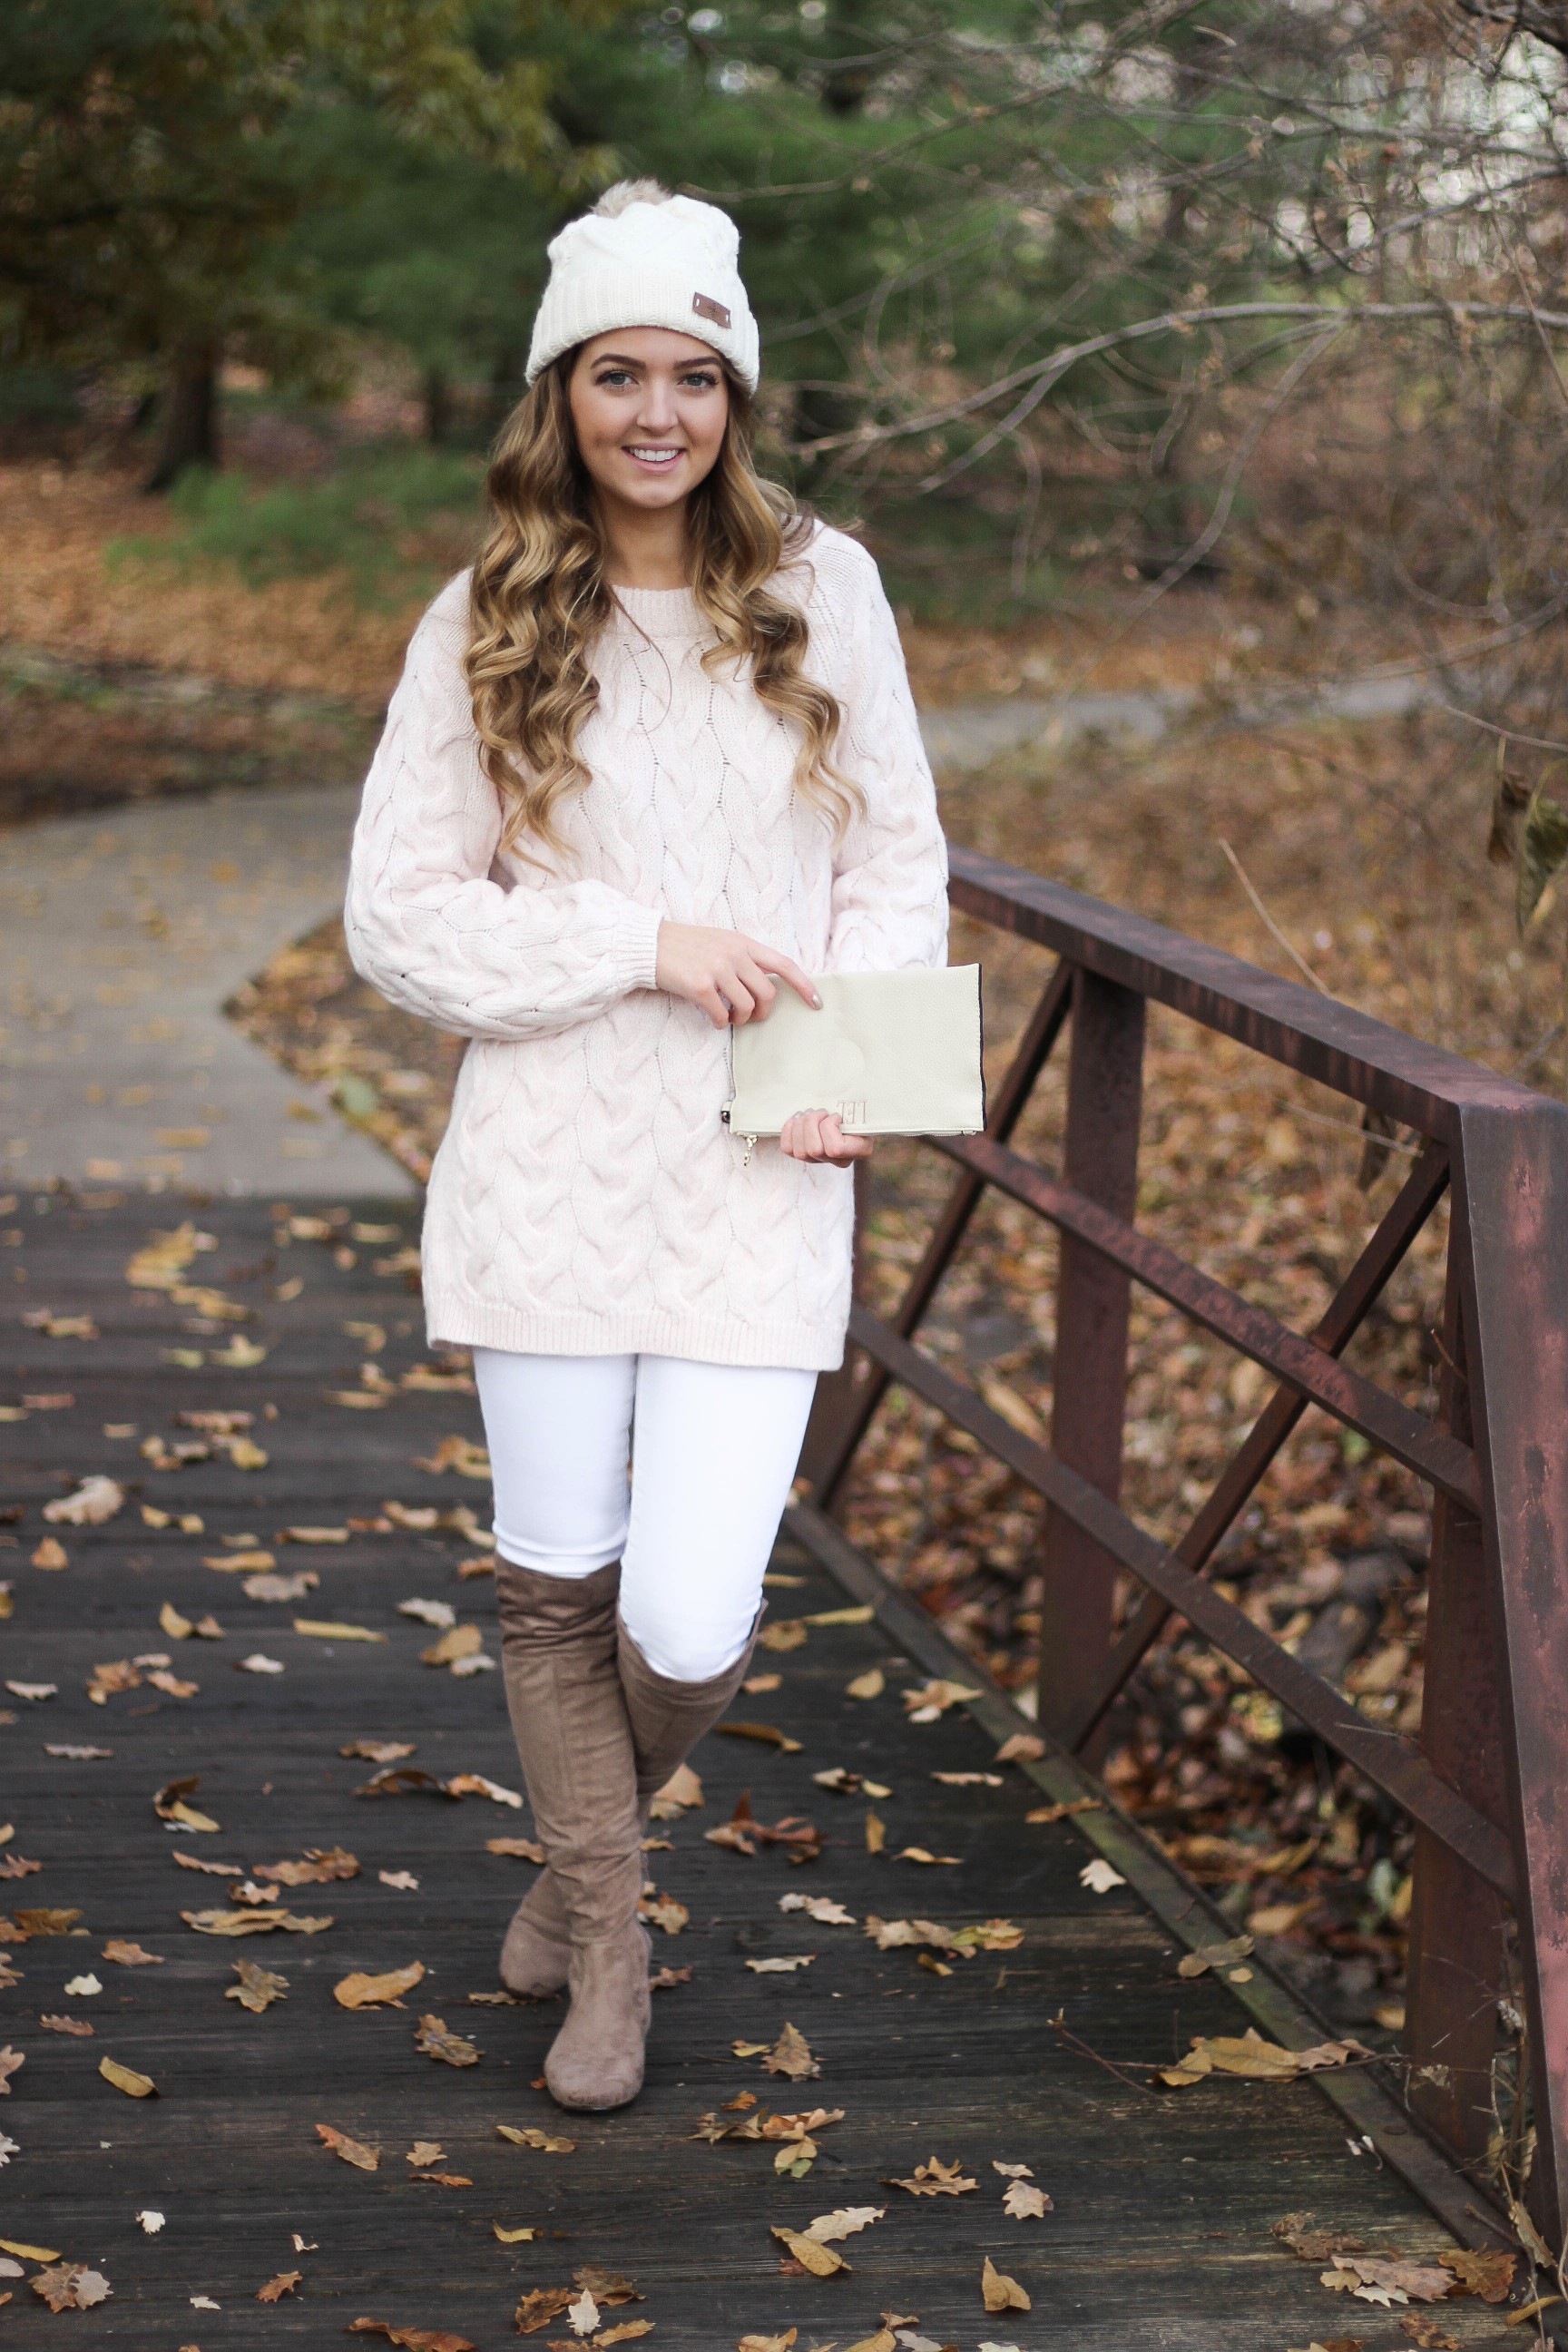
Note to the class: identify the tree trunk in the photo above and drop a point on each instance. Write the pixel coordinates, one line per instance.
(189, 434)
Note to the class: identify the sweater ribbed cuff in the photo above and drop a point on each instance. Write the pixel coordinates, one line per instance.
(636, 949)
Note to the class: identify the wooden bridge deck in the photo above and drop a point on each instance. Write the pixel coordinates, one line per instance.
(1163, 2200)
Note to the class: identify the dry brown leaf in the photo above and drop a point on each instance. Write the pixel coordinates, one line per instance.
(1426, 2334)
(46, 1919)
(379, 1751)
(170, 1621)
(810, 2253)
(328, 1629)
(784, 2343)
(362, 1991)
(791, 2057)
(1301, 2233)
(540, 2306)
(1213, 1955)
(18, 1865)
(1045, 1814)
(1023, 1747)
(319, 1866)
(169, 1804)
(768, 1734)
(127, 2079)
(921, 1853)
(664, 1911)
(823, 1908)
(127, 1955)
(1375, 2280)
(411, 2340)
(257, 1988)
(679, 1794)
(1000, 2292)
(353, 2152)
(513, 2237)
(844, 2222)
(51, 1553)
(530, 2135)
(433, 2037)
(260, 1922)
(787, 1634)
(520, 1848)
(934, 2178)
(184, 1861)
(72, 2287)
(462, 1641)
(870, 1685)
(927, 1701)
(1024, 2202)
(876, 1833)
(622, 2333)
(78, 2025)
(277, 2288)
(1489, 2275)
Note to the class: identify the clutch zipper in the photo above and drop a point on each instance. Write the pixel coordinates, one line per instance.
(750, 1140)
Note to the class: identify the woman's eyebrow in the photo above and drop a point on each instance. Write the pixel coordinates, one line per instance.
(623, 360)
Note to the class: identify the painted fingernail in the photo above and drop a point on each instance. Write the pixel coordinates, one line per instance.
(817, 1000)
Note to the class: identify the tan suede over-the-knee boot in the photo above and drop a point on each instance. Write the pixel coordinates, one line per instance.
(574, 1740)
(668, 1719)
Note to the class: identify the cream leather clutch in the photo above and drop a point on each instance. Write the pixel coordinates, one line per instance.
(892, 1052)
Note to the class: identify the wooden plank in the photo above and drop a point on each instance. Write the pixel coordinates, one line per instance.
(1160, 2231)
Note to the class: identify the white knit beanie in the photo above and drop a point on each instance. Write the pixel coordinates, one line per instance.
(643, 258)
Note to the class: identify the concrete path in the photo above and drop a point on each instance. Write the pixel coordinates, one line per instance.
(121, 935)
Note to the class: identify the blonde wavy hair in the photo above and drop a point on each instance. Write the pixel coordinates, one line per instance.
(539, 598)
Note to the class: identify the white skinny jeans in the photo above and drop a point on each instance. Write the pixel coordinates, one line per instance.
(715, 1447)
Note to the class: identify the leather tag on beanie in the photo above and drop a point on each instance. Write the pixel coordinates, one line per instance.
(706, 307)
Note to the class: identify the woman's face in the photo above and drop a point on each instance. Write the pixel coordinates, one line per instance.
(648, 408)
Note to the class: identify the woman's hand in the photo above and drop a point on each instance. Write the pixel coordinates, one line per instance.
(729, 976)
(816, 1135)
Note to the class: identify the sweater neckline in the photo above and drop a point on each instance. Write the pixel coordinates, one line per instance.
(662, 612)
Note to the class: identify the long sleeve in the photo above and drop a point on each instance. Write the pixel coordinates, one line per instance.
(890, 880)
(426, 923)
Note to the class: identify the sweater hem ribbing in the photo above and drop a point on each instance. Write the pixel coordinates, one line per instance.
(456, 1320)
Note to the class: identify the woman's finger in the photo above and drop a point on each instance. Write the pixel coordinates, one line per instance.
(742, 1004)
(759, 986)
(787, 969)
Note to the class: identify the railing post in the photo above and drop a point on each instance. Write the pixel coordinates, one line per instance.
(1458, 1922)
(1105, 1092)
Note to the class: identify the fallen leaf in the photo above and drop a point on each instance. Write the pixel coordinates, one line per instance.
(152, 2221)
(459, 1454)
(935, 2178)
(540, 2307)
(820, 1907)
(126, 2079)
(474, 1784)
(810, 2253)
(1313, 2243)
(241, 1563)
(431, 2035)
(83, 1987)
(845, 2221)
(37, 1920)
(784, 2343)
(519, 1849)
(170, 1805)
(622, 2333)
(18, 1865)
(870, 1685)
(71, 2288)
(76, 2025)
(1249, 2055)
(530, 2135)
(1213, 1955)
(257, 1988)
(844, 1783)
(96, 1499)
(1042, 1814)
(319, 1866)
(1024, 2202)
(768, 1733)
(353, 2152)
(791, 2056)
(34, 1690)
(1490, 2275)
(876, 1833)
(272, 1587)
(51, 1553)
(664, 1911)
(787, 1634)
(583, 2315)
(928, 1701)
(277, 2288)
(314, 1535)
(403, 1880)
(126, 1955)
(324, 1628)
(260, 1664)
(362, 1991)
(1100, 1876)
(30, 2253)
(1000, 2292)
(212, 1869)
(261, 1922)
(439, 1613)
(1428, 2336)
(378, 1751)
(171, 1684)
(1021, 1747)
(666, 1980)
(970, 1779)
(783, 1966)
(411, 2340)
(513, 2237)
(755, 1684)
(921, 1853)
(1385, 2283)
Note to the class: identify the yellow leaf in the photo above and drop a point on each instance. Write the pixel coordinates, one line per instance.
(819, 2259)
(861, 1614)
(359, 1991)
(876, 1833)
(51, 1553)
(325, 1629)
(126, 2079)
(1001, 2293)
(530, 2135)
(234, 1563)
(30, 2253)
(353, 2152)
(513, 2237)
(462, 1641)
(170, 1621)
(870, 1685)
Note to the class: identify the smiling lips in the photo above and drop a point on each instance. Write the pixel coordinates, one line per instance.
(646, 455)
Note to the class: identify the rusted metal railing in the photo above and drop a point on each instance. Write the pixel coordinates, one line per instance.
(1486, 1785)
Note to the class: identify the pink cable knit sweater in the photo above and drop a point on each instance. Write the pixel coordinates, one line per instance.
(587, 1199)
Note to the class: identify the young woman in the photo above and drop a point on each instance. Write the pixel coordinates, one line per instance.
(651, 760)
